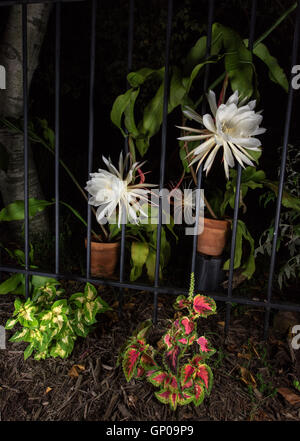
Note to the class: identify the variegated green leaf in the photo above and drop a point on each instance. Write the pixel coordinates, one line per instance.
(28, 351)
(90, 310)
(20, 335)
(11, 323)
(40, 355)
(79, 298)
(90, 292)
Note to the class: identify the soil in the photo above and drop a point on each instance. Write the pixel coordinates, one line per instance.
(248, 372)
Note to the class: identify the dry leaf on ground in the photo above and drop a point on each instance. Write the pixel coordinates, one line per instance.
(74, 371)
(290, 396)
(247, 377)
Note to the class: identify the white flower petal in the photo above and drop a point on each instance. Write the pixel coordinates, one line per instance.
(190, 113)
(202, 148)
(210, 159)
(248, 143)
(190, 129)
(240, 157)
(211, 98)
(193, 138)
(259, 131)
(228, 155)
(234, 127)
(234, 98)
(208, 122)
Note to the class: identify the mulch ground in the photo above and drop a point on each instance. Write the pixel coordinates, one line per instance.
(248, 373)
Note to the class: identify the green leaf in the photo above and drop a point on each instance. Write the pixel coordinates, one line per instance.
(78, 298)
(238, 61)
(183, 157)
(136, 79)
(276, 73)
(28, 351)
(90, 292)
(15, 210)
(11, 323)
(11, 283)
(114, 230)
(189, 81)
(150, 265)
(102, 306)
(249, 264)
(129, 114)
(198, 51)
(139, 254)
(19, 335)
(40, 281)
(153, 112)
(119, 107)
(90, 310)
(288, 200)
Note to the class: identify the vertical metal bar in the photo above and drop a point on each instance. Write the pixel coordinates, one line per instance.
(126, 148)
(25, 111)
(91, 128)
(282, 174)
(57, 127)
(238, 187)
(130, 35)
(163, 154)
(205, 86)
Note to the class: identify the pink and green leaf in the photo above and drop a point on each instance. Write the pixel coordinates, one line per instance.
(204, 306)
(199, 394)
(167, 339)
(147, 362)
(185, 398)
(140, 372)
(204, 373)
(158, 378)
(173, 385)
(197, 360)
(170, 358)
(181, 303)
(183, 341)
(173, 399)
(130, 362)
(187, 373)
(204, 346)
(187, 325)
(163, 396)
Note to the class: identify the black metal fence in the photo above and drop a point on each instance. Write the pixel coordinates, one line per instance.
(155, 289)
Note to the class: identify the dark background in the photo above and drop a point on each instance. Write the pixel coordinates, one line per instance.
(189, 23)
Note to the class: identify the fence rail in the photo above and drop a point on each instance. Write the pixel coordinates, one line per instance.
(155, 289)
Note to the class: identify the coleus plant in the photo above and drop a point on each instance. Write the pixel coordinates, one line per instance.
(51, 325)
(179, 366)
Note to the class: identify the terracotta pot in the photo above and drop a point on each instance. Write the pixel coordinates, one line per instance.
(104, 258)
(213, 238)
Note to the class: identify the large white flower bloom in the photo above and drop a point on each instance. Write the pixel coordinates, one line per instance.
(232, 127)
(114, 191)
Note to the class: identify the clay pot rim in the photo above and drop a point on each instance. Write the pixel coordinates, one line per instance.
(96, 244)
(219, 224)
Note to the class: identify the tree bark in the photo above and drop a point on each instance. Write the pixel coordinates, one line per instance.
(11, 105)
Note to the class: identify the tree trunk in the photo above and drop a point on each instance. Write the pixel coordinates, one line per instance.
(11, 105)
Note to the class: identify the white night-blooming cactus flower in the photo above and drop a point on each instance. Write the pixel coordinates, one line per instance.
(114, 192)
(232, 127)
